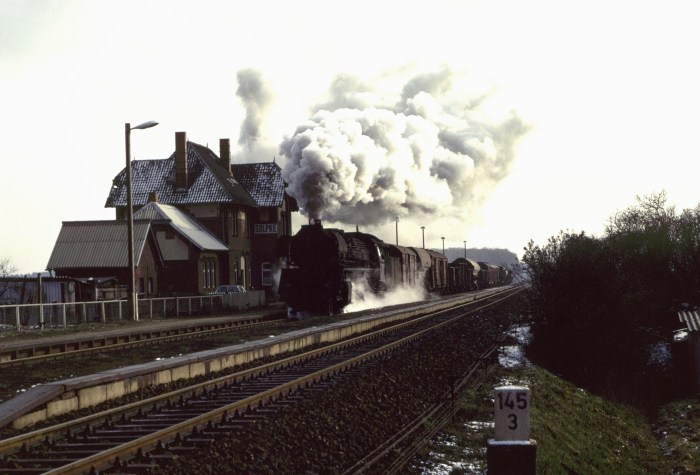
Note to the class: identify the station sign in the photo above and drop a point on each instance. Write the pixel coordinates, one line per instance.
(270, 228)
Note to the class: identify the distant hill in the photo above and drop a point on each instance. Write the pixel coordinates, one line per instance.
(492, 256)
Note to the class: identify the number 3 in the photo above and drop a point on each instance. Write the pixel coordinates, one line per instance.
(513, 421)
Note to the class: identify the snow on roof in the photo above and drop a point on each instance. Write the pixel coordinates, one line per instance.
(184, 224)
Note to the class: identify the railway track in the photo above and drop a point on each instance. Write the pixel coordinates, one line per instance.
(408, 441)
(139, 436)
(37, 352)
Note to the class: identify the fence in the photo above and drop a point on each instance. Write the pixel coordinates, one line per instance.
(56, 315)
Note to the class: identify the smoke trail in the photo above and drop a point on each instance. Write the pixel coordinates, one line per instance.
(367, 156)
(256, 98)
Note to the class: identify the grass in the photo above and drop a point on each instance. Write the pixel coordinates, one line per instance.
(576, 432)
(582, 433)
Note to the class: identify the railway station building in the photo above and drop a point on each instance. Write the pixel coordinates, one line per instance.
(200, 221)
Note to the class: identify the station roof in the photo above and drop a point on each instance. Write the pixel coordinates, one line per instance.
(97, 244)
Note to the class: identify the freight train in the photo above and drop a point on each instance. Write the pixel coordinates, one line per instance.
(323, 264)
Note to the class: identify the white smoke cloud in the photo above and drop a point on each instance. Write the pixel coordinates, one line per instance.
(257, 98)
(363, 297)
(368, 156)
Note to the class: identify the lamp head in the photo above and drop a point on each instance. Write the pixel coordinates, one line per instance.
(146, 125)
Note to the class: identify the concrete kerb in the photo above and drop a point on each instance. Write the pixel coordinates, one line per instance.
(53, 399)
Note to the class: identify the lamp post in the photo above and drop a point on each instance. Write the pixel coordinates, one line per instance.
(443, 245)
(132, 295)
(397, 230)
(465, 249)
(423, 229)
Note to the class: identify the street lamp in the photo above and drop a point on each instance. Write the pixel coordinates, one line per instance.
(443, 245)
(423, 229)
(465, 249)
(132, 295)
(397, 230)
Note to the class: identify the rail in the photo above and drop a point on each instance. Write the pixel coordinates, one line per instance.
(63, 314)
(278, 379)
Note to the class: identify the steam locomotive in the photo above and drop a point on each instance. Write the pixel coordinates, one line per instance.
(323, 265)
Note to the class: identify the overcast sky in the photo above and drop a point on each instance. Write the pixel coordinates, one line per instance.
(605, 95)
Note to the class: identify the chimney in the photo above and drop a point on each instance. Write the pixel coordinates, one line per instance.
(153, 197)
(225, 154)
(180, 161)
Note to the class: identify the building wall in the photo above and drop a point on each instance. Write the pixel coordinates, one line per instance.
(178, 278)
(147, 270)
(172, 246)
(250, 246)
(272, 224)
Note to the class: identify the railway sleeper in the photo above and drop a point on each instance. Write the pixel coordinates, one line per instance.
(119, 437)
(139, 467)
(156, 418)
(75, 453)
(180, 449)
(234, 425)
(200, 441)
(94, 446)
(44, 462)
(189, 413)
(23, 471)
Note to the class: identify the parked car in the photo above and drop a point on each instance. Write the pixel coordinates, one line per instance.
(228, 289)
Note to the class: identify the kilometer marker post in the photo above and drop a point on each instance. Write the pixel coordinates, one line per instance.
(512, 451)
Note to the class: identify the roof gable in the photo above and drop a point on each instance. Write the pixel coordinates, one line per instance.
(184, 224)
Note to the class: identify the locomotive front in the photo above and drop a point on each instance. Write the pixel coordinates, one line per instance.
(313, 281)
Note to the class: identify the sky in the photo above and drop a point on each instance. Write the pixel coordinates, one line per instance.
(525, 118)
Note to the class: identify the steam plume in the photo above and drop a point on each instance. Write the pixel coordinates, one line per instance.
(256, 98)
(368, 156)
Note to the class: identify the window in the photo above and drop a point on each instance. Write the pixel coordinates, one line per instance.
(267, 279)
(233, 222)
(242, 270)
(208, 273)
(150, 285)
(242, 225)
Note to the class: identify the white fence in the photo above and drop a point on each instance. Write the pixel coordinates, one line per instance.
(56, 315)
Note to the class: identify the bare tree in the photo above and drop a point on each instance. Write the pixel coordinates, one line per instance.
(6, 270)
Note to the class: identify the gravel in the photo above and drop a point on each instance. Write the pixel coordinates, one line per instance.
(330, 429)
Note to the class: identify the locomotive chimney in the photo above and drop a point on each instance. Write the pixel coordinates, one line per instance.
(180, 161)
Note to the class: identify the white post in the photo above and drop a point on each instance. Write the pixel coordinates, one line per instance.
(512, 413)
(512, 450)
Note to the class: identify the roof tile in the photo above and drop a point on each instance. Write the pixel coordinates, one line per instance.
(262, 180)
(208, 182)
